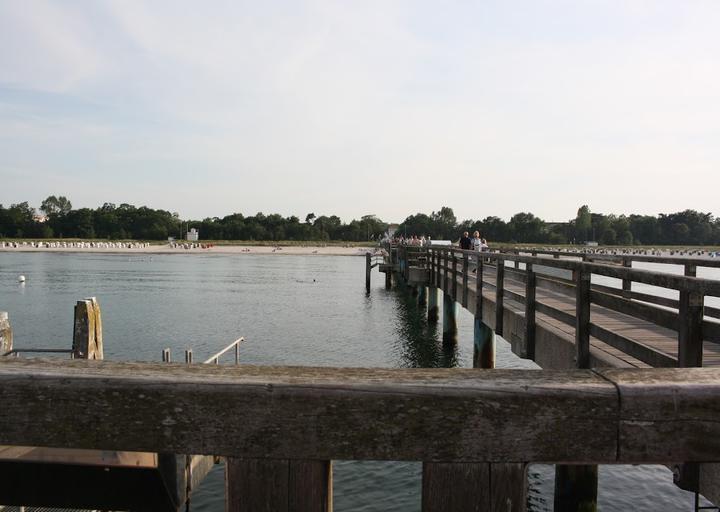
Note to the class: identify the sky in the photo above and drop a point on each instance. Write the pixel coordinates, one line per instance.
(351, 108)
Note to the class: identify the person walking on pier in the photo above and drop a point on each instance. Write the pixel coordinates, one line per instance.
(465, 241)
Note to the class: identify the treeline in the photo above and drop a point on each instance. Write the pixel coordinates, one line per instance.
(60, 220)
(688, 227)
(142, 223)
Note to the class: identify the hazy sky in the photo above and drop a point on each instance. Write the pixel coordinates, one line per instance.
(351, 108)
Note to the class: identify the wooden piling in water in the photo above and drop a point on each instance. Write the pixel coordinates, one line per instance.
(422, 296)
(6, 338)
(87, 330)
(368, 269)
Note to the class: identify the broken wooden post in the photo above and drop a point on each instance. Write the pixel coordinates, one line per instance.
(87, 330)
(6, 338)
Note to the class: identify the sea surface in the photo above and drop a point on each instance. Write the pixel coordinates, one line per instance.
(292, 310)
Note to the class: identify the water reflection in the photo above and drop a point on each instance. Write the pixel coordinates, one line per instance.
(418, 343)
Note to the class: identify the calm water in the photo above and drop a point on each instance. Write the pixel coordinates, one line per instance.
(293, 310)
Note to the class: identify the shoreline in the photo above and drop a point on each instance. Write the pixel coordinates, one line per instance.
(309, 250)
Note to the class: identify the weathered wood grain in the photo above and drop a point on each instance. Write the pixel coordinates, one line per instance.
(674, 410)
(310, 413)
(458, 487)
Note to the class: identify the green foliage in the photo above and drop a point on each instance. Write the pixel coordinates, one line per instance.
(126, 221)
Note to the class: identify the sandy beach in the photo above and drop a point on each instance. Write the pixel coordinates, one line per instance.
(320, 250)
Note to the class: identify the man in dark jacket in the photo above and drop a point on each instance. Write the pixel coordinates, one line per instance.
(465, 242)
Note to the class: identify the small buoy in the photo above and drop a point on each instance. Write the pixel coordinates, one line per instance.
(21, 279)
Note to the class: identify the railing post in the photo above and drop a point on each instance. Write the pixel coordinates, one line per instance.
(576, 485)
(499, 295)
(278, 485)
(465, 266)
(582, 318)
(166, 355)
(6, 337)
(627, 282)
(188, 356)
(691, 309)
(529, 312)
(454, 276)
(368, 268)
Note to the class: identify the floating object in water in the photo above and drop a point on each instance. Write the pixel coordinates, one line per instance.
(21, 279)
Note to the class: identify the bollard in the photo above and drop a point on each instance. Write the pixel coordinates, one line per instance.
(368, 268)
(87, 330)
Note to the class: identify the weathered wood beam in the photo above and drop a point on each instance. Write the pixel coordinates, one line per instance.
(355, 413)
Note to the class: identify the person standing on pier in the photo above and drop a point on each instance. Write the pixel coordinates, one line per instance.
(465, 241)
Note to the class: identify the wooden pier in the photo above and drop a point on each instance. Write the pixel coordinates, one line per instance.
(610, 393)
(547, 306)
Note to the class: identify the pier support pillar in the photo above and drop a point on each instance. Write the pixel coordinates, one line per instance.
(6, 338)
(433, 301)
(388, 279)
(422, 296)
(368, 269)
(450, 311)
(576, 488)
(483, 345)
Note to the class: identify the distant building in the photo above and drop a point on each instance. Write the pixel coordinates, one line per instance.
(193, 235)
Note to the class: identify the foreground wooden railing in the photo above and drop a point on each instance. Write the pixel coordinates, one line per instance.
(287, 420)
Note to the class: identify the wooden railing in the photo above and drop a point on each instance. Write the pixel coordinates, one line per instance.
(284, 421)
(446, 265)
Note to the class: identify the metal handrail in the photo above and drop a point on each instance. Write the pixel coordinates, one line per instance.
(235, 344)
(17, 351)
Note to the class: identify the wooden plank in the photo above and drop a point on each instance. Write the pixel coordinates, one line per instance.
(662, 317)
(555, 313)
(310, 413)
(458, 487)
(637, 350)
(690, 335)
(676, 408)
(256, 484)
(310, 486)
(508, 487)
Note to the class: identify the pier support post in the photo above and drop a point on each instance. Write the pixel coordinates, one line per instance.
(87, 330)
(6, 338)
(450, 310)
(388, 279)
(422, 295)
(368, 268)
(433, 303)
(278, 485)
(576, 486)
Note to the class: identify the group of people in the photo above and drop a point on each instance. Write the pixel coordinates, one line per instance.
(419, 241)
(472, 244)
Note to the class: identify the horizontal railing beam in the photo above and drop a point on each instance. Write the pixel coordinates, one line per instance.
(439, 415)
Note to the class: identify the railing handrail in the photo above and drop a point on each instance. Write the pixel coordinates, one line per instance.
(693, 284)
(16, 351)
(235, 344)
(314, 413)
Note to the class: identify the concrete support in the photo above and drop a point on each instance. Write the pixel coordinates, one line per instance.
(450, 311)
(433, 304)
(422, 295)
(6, 338)
(483, 345)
